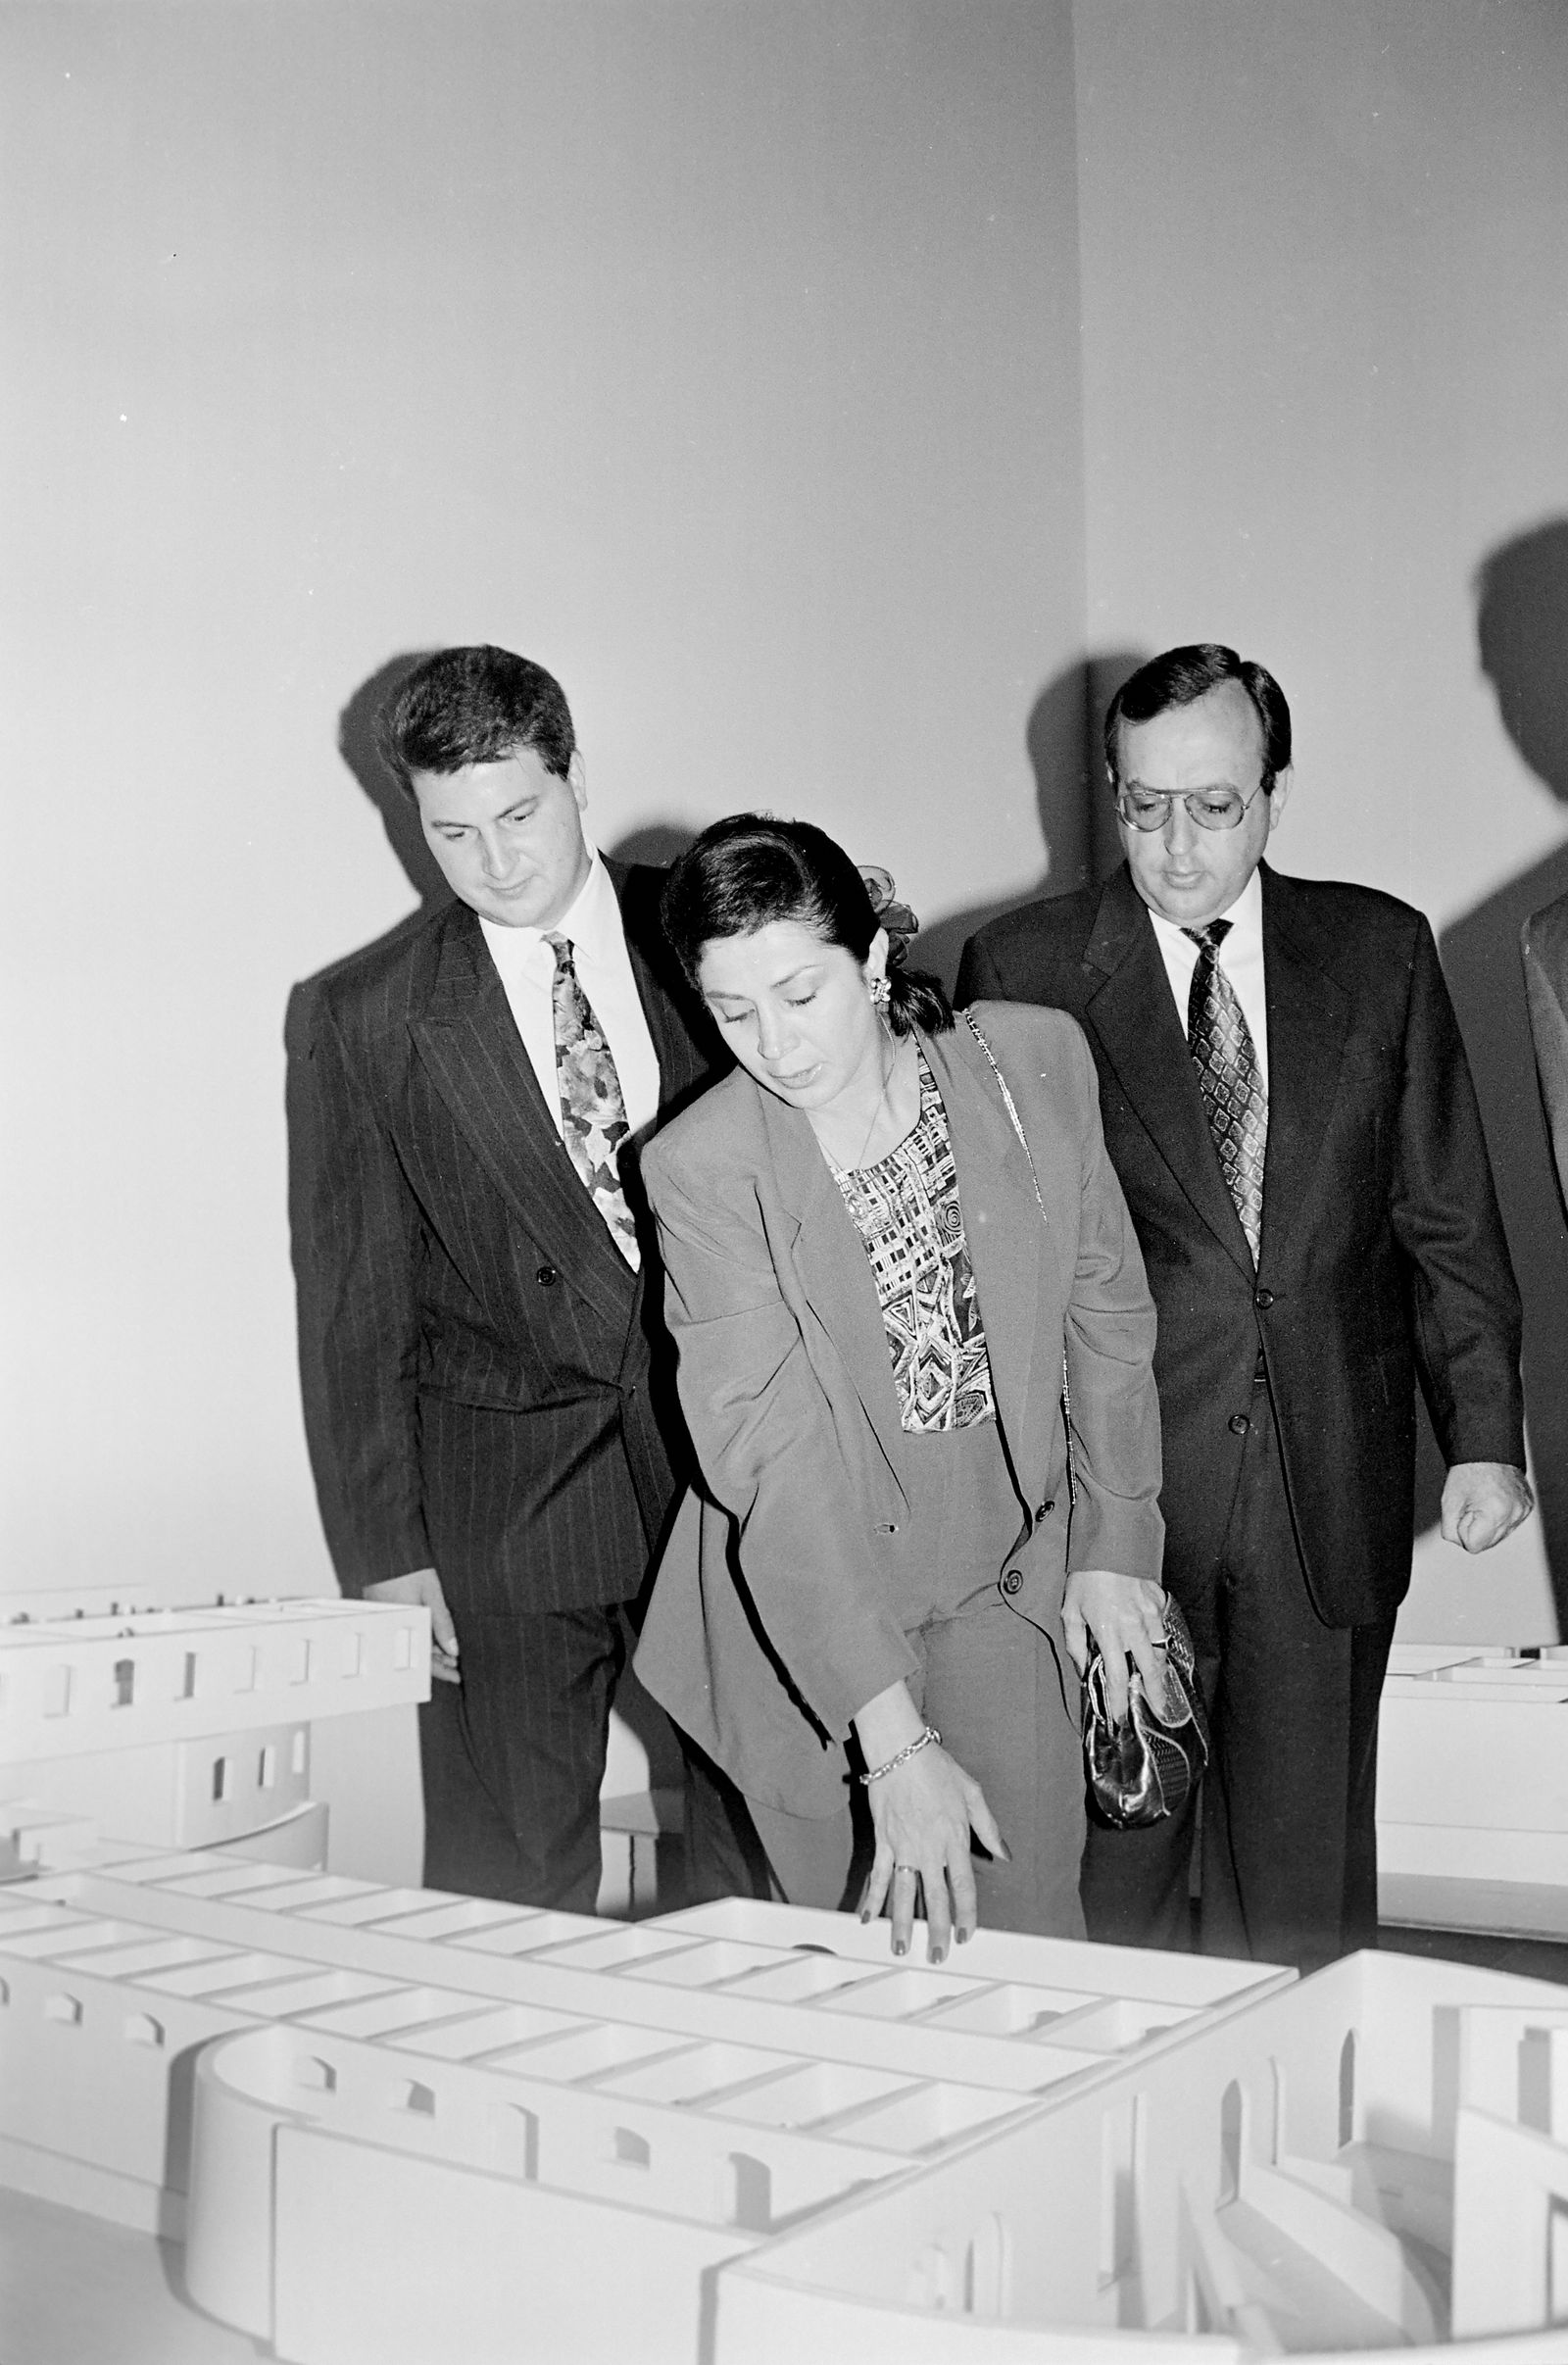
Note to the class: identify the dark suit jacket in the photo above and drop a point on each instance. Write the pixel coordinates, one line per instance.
(491, 1397)
(775, 1613)
(1382, 1253)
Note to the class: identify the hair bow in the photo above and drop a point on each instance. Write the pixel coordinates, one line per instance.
(898, 920)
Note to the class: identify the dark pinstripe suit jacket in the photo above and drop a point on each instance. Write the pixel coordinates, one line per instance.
(490, 1394)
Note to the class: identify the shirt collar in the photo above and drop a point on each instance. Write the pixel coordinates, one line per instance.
(591, 924)
(1246, 917)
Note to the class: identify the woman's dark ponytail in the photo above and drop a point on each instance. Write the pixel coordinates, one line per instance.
(917, 999)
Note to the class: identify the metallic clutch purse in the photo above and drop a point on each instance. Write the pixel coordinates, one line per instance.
(1147, 1767)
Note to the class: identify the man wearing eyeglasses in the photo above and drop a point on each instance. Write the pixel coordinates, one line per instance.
(1288, 1105)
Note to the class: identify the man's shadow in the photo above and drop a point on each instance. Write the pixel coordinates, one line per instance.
(360, 749)
(1077, 819)
(1522, 629)
(360, 746)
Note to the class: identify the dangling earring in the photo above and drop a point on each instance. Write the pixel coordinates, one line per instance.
(881, 996)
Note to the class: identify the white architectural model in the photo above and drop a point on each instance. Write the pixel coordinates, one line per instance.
(431, 2127)
(152, 1726)
(184, 1728)
(1375, 2159)
(1473, 1789)
(399, 2126)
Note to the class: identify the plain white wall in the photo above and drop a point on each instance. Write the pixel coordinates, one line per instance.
(1325, 280)
(723, 357)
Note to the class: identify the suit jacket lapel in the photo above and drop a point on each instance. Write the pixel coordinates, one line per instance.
(1308, 1016)
(831, 1264)
(1133, 1013)
(470, 1046)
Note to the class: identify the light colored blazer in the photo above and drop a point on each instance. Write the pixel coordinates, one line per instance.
(775, 1616)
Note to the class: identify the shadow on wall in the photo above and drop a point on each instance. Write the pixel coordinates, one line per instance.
(655, 842)
(358, 746)
(1522, 629)
(1076, 818)
(360, 751)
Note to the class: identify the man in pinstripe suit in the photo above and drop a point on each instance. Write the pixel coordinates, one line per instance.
(501, 1436)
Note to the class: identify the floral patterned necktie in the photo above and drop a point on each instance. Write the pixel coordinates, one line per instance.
(1229, 1079)
(593, 1108)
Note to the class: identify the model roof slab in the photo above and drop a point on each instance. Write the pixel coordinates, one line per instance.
(113, 1977)
(773, 1976)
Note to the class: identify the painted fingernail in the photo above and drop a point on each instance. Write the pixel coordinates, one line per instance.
(937, 1953)
(865, 1913)
(965, 1936)
(899, 1947)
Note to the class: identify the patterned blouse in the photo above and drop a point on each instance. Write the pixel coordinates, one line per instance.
(906, 1210)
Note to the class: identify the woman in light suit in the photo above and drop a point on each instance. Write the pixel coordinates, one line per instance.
(881, 1235)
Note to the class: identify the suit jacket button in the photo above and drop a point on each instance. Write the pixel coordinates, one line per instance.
(547, 1276)
(1264, 1297)
(1046, 1507)
(1240, 1424)
(1013, 1582)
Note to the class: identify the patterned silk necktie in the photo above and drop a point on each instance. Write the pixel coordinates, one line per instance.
(1229, 1079)
(593, 1109)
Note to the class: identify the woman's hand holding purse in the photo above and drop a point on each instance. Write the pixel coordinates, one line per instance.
(1126, 1618)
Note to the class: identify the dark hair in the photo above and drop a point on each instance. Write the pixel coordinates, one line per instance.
(1179, 675)
(749, 870)
(475, 705)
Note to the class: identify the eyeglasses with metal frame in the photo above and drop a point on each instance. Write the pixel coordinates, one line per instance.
(1149, 809)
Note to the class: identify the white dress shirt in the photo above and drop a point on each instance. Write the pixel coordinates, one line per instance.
(1241, 956)
(592, 926)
